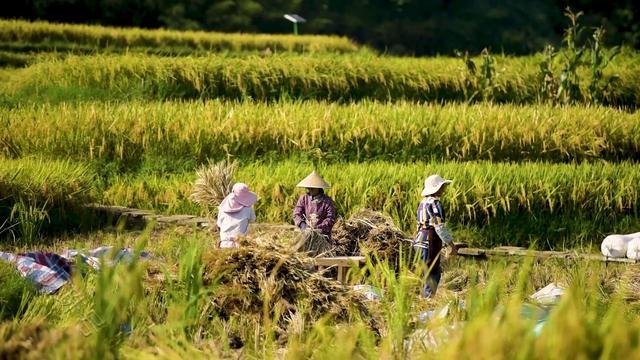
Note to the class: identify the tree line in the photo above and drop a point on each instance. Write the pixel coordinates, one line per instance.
(409, 27)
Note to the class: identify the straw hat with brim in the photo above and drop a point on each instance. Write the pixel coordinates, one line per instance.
(313, 181)
(239, 198)
(433, 183)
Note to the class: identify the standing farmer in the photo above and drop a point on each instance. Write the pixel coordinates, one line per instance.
(234, 215)
(315, 210)
(432, 231)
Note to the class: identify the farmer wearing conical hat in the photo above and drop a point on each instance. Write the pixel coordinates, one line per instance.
(315, 210)
(432, 231)
(234, 215)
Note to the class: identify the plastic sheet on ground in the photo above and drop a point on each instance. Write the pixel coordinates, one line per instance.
(96, 257)
(548, 295)
(47, 279)
(51, 271)
(369, 292)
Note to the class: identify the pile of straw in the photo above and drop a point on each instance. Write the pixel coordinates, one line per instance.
(269, 277)
(369, 232)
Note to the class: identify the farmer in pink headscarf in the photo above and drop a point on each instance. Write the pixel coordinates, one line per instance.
(234, 215)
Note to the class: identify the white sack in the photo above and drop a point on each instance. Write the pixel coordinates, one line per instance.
(633, 249)
(615, 246)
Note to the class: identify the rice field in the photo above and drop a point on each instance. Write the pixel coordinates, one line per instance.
(128, 132)
(335, 78)
(97, 123)
(24, 36)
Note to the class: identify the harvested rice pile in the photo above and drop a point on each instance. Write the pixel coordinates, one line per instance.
(369, 232)
(253, 278)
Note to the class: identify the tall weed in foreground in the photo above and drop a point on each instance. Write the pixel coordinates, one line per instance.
(15, 293)
(189, 296)
(117, 295)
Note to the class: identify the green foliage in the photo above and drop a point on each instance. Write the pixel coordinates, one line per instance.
(118, 293)
(30, 218)
(600, 59)
(480, 81)
(407, 27)
(566, 87)
(37, 194)
(15, 293)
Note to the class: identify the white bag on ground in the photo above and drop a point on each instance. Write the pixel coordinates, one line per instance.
(548, 295)
(633, 249)
(615, 246)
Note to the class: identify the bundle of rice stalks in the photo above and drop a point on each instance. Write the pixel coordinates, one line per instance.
(369, 232)
(313, 243)
(214, 182)
(272, 279)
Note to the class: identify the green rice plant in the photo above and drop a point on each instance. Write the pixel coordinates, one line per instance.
(489, 315)
(41, 195)
(118, 292)
(180, 135)
(192, 292)
(30, 218)
(13, 60)
(54, 182)
(326, 77)
(45, 35)
(16, 292)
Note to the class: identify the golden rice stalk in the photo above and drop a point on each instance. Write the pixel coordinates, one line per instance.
(313, 243)
(214, 182)
(629, 286)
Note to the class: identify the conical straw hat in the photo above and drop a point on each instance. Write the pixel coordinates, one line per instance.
(313, 181)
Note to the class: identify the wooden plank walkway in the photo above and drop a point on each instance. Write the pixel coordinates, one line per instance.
(505, 251)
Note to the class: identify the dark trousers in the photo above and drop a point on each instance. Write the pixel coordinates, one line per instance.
(431, 258)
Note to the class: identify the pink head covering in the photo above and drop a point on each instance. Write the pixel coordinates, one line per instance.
(239, 198)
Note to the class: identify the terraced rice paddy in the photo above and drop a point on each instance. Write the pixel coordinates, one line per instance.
(92, 125)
